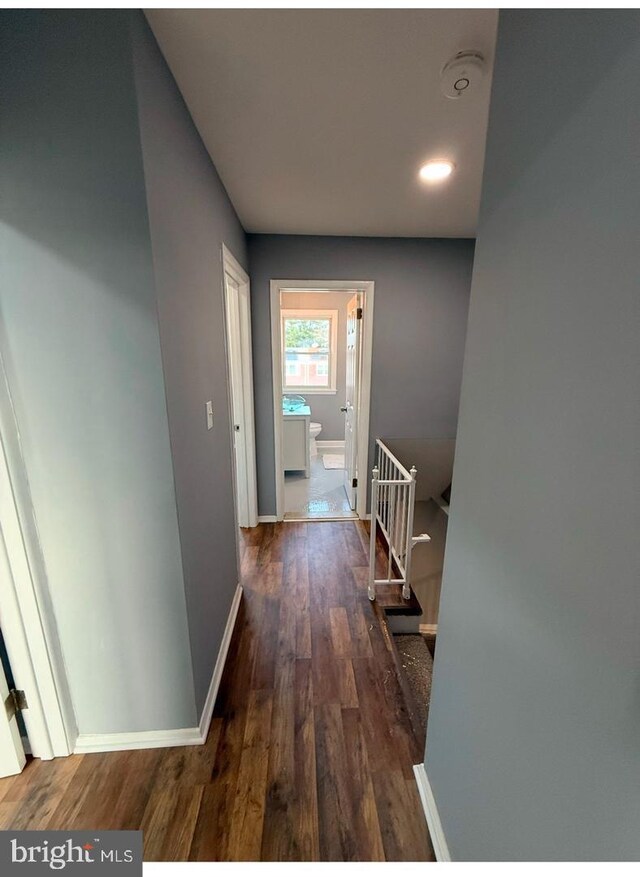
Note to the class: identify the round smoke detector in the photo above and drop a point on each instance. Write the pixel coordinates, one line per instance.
(462, 74)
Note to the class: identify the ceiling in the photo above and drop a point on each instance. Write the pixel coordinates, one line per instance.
(318, 120)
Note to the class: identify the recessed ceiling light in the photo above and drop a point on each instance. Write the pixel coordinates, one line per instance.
(433, 171)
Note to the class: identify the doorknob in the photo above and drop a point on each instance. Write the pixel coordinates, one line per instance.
(344, 409)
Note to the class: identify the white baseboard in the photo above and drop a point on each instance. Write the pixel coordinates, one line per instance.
(137, 740)
(301, 520)
(330, 446)
(267, 519)
(207, 710)
(176, 736)
(432, 816)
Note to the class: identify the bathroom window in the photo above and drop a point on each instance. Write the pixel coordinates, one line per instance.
(309, 342)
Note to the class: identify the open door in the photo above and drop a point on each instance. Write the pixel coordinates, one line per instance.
(12, 757)
(354, 324)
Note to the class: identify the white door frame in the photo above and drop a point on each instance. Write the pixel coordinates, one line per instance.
(26, 613)
(232, 267)
(366, 287)
(353, 369)
(12, 757)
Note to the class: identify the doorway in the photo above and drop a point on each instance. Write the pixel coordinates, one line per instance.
(237, 305)
(13, 732)
(32, 673)
(321, 367)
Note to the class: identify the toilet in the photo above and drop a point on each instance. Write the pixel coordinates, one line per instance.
(314, 431)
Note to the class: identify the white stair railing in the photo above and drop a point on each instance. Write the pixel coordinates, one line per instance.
(393, 492)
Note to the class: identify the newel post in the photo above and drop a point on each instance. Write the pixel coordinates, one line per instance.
(406, 588)
(372, 536)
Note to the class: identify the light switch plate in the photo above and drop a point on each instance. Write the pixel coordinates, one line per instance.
(209, 407)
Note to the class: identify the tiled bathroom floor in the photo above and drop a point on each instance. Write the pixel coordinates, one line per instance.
(320, 496)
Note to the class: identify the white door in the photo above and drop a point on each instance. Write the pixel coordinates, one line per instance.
(238, 329)
(12, 757)
(237, 413)
(354, 323)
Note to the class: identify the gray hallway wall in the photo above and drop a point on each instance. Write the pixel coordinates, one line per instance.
(80, 340)
(421, 301)
(113, 337)
(190, 217)
(533, 750)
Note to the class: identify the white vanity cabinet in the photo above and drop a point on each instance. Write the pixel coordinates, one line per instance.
(295, 440)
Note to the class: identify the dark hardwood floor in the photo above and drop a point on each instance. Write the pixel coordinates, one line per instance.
(311, 746)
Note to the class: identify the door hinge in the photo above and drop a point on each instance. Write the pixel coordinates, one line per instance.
(359, 314)
(354, 482)
(16, 702)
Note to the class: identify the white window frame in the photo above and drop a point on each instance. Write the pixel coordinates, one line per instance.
(313, 314)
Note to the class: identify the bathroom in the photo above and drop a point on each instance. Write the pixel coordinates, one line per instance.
(314, 327)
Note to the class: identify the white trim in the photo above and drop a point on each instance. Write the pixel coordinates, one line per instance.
(307, 391)
(330, 446)
(26, 612)
(137, 740)
(436, 832)
(173, 737)
(366, 287)
(276, 371)
(291, 519)
(429, 629)
(364, 399)
(267, 519)
(12, 752)
(232, 267)
(210, 702)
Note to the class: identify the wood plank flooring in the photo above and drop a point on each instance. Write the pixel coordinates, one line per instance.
(311, 747)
